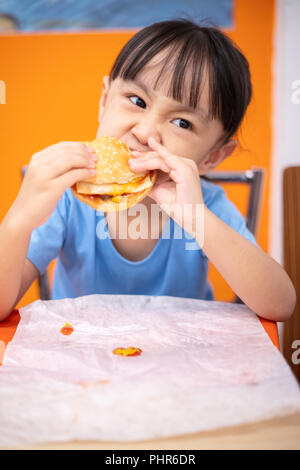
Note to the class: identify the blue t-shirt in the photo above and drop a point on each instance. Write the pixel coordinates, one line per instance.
(88, 262)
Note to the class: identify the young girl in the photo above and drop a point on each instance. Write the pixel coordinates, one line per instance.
(176, 96)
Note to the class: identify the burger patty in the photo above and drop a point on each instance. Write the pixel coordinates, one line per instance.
(114, 189)
(105, 197)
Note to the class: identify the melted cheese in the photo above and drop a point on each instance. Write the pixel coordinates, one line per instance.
(114, 189)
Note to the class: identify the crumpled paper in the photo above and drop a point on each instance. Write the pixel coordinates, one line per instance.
(204, 365)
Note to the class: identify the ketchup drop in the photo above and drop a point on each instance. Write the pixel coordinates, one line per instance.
(67, 329)
(130, 351)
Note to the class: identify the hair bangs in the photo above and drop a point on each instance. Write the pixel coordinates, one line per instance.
(184, 67)
(187, 55)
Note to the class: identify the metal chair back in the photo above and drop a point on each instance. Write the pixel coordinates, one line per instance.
(254, 178)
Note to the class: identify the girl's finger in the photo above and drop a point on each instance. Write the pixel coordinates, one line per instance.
(66, 162)
(139, 155)
(159, 148)
(173, 161)
(61, 150)
(154, 163)
(73, 176)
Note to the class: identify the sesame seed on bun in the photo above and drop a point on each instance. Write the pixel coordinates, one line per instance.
(114, 187)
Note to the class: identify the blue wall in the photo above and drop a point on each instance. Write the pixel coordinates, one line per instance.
(36, 15)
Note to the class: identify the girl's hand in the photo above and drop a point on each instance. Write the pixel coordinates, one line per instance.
(50, 172)
(177, 189)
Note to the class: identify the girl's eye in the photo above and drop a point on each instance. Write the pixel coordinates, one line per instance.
(183, 123)
(137, 101)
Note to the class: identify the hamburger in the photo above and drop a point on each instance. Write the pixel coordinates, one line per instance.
(114, 187)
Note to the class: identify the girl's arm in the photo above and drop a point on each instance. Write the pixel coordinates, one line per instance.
(254, 276)
(49, 174)
(14, 242)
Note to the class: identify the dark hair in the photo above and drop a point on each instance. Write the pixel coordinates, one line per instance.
(194, 47)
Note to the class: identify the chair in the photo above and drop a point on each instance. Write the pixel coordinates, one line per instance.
(291, 260)
(253, 178)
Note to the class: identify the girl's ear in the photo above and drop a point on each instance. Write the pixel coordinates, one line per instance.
(216, 157)
(105, 88)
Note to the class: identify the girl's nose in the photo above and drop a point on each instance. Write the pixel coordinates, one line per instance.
(145, 129)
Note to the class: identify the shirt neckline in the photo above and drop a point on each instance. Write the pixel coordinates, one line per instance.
(151, 254)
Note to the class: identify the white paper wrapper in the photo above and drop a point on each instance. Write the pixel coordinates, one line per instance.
(204, 365)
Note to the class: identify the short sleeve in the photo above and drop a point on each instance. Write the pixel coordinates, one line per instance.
(47, 240)
(216, 201)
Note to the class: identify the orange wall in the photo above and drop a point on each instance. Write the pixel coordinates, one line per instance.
(53, 84)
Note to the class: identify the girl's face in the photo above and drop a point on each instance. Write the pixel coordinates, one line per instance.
(133, 111)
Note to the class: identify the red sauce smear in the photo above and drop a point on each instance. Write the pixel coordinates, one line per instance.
(67, 329)
(131, 351)
(86, 384)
